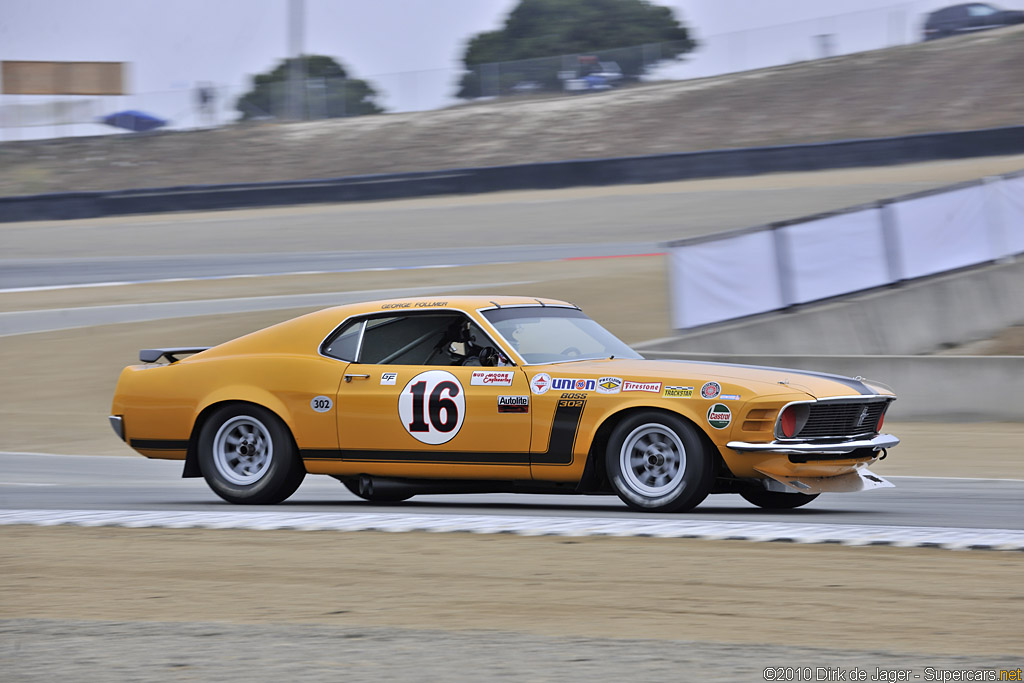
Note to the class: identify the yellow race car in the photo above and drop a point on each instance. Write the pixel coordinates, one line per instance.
(493, 394)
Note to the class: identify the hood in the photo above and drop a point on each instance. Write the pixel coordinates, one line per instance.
(765, 380)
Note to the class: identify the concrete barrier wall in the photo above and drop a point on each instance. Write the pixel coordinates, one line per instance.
(957, 388)
(912, 317)
(643, 169)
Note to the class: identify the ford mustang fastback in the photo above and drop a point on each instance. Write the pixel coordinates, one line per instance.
(493, 394)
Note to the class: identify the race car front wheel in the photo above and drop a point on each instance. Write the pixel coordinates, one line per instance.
(657, 463)
(247, 456)
(776, 500)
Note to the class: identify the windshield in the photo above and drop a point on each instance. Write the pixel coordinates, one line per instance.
(552, 335)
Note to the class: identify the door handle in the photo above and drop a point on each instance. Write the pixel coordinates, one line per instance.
(349, 378)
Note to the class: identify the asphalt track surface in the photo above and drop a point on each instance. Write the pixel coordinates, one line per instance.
(505, 227)
(55, 273)
(54, 482)
(471, 230)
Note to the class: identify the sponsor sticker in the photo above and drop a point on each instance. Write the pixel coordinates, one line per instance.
(729, 397)
(493, 378)
(388, 377)
(568, 383)
(609, 385)
(719, 416)
(540, 383)
(650, 387)
(677, 392)
(321, 404)
(710, 390)
(432, 407)
(513, 404)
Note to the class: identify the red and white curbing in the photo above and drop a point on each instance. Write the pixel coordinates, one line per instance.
(843, 534)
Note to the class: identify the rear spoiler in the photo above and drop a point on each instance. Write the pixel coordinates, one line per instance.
(154, 355)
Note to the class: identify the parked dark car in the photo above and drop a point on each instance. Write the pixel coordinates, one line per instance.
(967, 18)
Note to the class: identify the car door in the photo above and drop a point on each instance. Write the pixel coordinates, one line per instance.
(411, 405)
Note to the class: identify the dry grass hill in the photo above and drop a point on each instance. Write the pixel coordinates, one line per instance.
(954, 84)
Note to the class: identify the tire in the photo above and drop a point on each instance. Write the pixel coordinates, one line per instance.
(377, 493)
(248, 457)
(776, 500)
(657, 462)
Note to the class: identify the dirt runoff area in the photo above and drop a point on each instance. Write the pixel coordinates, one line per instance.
(146, 604)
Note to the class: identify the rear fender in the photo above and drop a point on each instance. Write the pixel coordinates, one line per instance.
(224, 396)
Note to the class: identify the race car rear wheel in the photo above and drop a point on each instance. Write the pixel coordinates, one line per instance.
(657, 463)
(247, 456)
(776, 500)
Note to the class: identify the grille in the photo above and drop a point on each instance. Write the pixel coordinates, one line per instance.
(842, 419)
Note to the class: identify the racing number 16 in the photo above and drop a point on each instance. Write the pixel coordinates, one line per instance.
(438, 404)
(432, 407)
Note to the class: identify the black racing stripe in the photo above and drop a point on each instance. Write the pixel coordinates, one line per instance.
(160, 444)
(564, 427)
(854, 384)
(427, 457)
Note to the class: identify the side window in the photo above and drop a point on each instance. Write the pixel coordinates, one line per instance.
(414, 339)
(345, 344)
(409, 340)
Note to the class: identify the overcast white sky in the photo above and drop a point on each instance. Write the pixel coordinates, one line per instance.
(173, 45)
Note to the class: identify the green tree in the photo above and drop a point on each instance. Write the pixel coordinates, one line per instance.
(324, 90)
(537, 32)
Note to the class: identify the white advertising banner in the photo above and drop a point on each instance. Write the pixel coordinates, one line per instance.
(943, 232)
(1010, 200)
(835, 255)
(57, 112)
(723, 279)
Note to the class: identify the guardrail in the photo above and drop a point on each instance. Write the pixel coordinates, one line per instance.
(551, 175)
(773, 267)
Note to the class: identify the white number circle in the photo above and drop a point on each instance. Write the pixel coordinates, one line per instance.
(321, 404)
(432, 406)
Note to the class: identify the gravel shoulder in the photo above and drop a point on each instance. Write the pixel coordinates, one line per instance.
(860, 599)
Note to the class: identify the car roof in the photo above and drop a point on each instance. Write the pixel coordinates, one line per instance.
(298, 334)
(441, 302)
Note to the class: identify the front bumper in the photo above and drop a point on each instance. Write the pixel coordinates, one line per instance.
(117, 422)
(806, 448)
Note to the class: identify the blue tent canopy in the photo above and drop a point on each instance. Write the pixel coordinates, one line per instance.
(133, 120)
